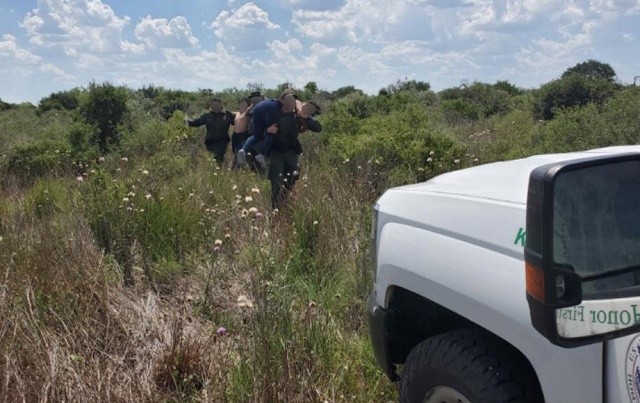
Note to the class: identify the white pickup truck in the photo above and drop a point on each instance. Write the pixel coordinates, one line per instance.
(517, 281)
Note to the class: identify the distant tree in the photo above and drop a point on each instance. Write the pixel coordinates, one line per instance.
(477, 100)
(507, 87)
(311, 87)
(150, 91)
(64, 100)
(105, 108)
(405, 85)
(255, 87)
(5, 105)
(572, 90)
(344, 91)
(593, 69)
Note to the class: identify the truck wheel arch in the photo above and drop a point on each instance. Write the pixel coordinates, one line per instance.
(414, 318)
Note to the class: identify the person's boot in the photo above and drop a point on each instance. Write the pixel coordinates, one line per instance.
(241, 158)
(262, 162)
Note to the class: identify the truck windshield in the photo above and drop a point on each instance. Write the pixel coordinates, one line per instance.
(596, 224)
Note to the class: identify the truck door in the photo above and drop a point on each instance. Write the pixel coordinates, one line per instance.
(583, 262)
(622, 369)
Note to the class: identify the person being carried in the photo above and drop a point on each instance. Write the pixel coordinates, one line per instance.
(264, 115)
(217, 122)
(240, 128)
(285, 147)
(242, 121)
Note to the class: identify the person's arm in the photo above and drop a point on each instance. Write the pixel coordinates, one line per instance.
(313, 125)
(197, 122)
(231, 117)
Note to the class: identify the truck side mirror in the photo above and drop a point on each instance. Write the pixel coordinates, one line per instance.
(582, 249)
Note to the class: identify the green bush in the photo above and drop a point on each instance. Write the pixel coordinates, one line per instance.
(405, 139)
(155, 135)
(508, 136)
(593, 69)
(39, 159)
(572, 90)
(105, 108)
(477, 100)
(48, 197)
(620, 118)
(616, 122)
(67, 100)
(142, 219)
(572, 129)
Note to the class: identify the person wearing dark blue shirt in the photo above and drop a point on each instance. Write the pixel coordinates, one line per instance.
(285, 147)
(264, 115)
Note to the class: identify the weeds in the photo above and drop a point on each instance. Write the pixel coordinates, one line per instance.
(151, 274)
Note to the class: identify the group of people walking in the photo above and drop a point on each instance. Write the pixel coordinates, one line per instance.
(265, 134)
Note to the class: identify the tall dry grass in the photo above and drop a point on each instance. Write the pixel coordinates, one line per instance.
(240, 305)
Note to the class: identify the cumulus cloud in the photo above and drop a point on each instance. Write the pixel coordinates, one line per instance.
(358, 21)
(365, 43)
(74, 25)
(163, 33)
(10, 51)
(26, 62)
(245, 29)
(547, 53)
(58, 72)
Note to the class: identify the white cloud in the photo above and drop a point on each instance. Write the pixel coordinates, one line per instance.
(555, 54)
(59, 73)
(367, 21)
(246, 28)
(75, 26)
(315, 4)
(163, 33)
(613, 8)
(9, 49)
(365, 43)
(133, 48)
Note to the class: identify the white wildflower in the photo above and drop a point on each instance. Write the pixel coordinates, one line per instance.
(244, 302)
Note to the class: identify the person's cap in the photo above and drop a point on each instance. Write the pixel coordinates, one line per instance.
(256, 97)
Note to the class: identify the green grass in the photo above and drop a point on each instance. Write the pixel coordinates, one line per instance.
(116, 286)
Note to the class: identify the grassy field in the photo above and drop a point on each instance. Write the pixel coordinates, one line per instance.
(148, 273)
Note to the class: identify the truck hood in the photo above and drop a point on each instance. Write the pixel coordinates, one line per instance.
(506, 181)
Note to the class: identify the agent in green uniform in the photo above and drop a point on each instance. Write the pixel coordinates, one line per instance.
(217, 122)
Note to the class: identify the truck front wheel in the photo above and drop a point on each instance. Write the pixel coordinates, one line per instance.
(467, 366)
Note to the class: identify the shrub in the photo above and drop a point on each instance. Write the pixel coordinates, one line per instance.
(572, 90)
(105, 108)
(67, 100)
(592, 69)
(40, 159)
(508, 136)
(579, 128)
(477, 100)
(48, 197)
(405, 139)
(154, 135)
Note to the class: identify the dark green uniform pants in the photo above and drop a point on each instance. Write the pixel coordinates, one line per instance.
(218, 149)
(283, 172)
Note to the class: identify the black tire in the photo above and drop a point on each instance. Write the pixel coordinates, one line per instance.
(472, 363)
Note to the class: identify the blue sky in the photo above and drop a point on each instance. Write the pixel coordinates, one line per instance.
(54, 45)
